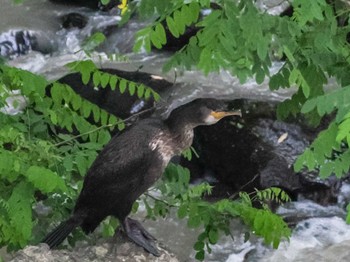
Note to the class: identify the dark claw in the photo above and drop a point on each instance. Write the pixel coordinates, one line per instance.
(136, 232)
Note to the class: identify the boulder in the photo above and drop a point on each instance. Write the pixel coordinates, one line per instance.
(115, 249)
(257, 151)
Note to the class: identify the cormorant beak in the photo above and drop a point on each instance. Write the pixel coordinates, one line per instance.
(220, 114)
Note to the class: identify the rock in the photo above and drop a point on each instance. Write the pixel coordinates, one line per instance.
(73, 20)
(121, 105)
(20, 42)
(257, 151)
(93, 4)
(118, 249)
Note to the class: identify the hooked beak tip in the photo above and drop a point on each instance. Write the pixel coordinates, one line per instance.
(221, 114)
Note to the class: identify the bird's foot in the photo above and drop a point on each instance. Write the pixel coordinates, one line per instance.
(136, 232)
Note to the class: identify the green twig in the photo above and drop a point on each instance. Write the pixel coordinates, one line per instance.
(160, 200)
(104, 126)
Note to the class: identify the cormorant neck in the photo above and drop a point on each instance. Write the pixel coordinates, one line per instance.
(180, 121)
(181, 130)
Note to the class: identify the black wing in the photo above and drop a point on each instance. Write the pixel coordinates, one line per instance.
(124, 169)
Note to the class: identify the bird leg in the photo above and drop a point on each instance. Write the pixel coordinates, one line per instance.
(135, 231)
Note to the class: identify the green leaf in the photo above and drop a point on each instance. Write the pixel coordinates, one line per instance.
(20, 212)
(103, 138)
(53, 117)
(122, 86)
(85, 77)
(180, 24)
(44, 179)
(213, 236)
(104, 80)
(194, 221)
(86, 109)
(260, 76)
(194, 10)
(306, 89)
(309, 106)
(96, 113)
(198, 246)
(76, 102)
(289, 55)
(172, 26)
(104, 117)
(200, 255)
(182, 211)
(186, 15)
(160, 32)
(132, 88)
(140, 91)
(147, 93)
(81, 163)
(262, 49)
(155, 40)
(93, 41)
(113, 82)
(96, 78)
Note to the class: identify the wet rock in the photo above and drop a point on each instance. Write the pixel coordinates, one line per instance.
(20, 42)
(258, 151)
(116, 103)
(173, 43)
(93, 4)
(117, 249)
(74, 20)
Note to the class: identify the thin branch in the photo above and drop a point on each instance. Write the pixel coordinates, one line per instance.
(246, 184)
(104, 126)
(161, 200)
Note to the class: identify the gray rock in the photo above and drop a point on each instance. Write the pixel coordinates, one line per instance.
(105, 251)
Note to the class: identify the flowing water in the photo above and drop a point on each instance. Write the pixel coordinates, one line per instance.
(322, 237)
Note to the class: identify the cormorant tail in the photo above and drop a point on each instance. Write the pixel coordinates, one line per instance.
(59, 234)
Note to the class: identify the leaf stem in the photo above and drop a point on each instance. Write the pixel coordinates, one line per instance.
(104, 126)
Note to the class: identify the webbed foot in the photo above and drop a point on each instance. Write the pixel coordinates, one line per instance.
(136, 232)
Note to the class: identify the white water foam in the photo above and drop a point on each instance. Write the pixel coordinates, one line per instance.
(315, 239)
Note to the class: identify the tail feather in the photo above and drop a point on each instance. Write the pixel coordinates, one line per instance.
(59, 234)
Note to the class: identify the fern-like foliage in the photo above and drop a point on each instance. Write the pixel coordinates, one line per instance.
(240, 38)
(329, 153)
(272, 194)
(215, 218)
(89, 71)
(35, 158)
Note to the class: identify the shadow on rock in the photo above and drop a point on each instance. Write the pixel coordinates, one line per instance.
(119, 104)
(257, 151)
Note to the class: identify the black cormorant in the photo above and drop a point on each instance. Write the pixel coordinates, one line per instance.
(129, 164)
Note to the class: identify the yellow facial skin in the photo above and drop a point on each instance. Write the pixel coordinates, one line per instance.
(220, 114)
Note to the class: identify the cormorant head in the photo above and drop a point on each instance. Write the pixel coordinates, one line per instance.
(203, 111)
